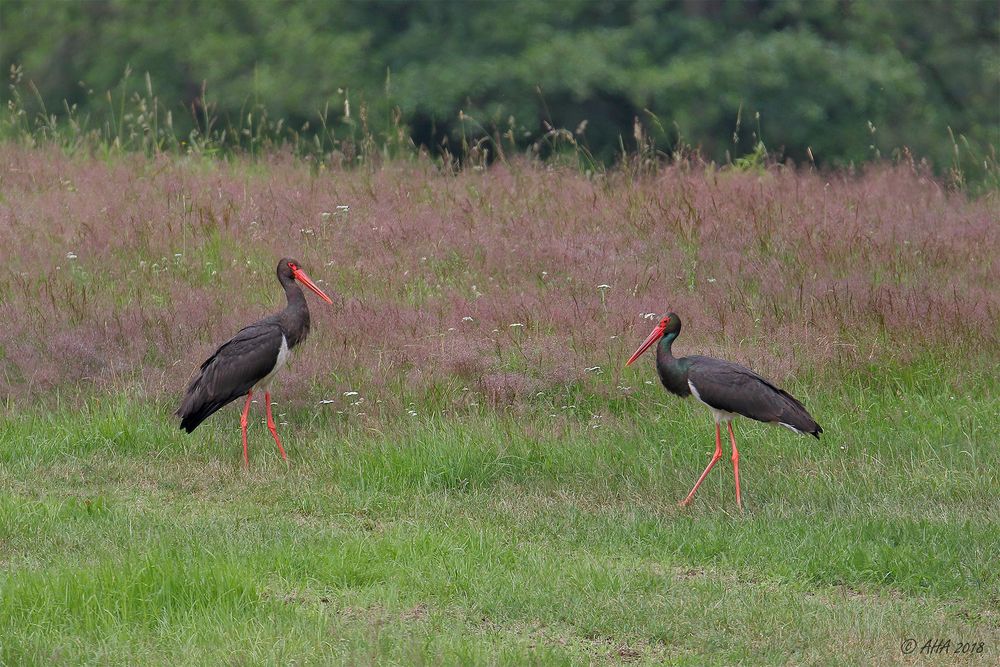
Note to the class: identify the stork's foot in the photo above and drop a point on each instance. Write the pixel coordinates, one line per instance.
(243, 430)
(715, 457)
(736, 466)
(271, 427)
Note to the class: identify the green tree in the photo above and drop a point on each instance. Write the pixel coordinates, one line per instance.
(846, 79)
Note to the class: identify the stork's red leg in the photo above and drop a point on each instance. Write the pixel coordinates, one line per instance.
(736, 466)
(243, 428)
(271, 428)
(715, 457)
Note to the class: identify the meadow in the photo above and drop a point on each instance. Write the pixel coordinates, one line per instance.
(474, 477)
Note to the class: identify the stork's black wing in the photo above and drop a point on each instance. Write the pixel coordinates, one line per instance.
(727, 386)
(231, 372)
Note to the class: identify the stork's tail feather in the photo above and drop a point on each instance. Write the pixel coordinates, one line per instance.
(190, 422)
(190, 415)
(197, 407)
(188, 425)
(796, 417)
(194, 412)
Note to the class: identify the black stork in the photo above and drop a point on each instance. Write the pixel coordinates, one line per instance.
(251, 359)
(727, 389)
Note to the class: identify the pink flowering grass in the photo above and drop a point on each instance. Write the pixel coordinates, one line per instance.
(485, 287)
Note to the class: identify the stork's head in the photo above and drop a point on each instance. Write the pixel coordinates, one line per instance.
(289, 269)
(669, 326)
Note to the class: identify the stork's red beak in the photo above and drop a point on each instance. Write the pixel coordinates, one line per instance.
(646, 344)
(301, 276)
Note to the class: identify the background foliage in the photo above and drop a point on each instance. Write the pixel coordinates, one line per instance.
(836, 81)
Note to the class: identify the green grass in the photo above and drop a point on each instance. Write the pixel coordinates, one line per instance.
(508, 539)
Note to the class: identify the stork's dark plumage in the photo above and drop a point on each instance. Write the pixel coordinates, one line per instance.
(727, 389)
(251, 359)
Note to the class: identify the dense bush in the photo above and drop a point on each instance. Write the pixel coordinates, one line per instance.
(832, 81)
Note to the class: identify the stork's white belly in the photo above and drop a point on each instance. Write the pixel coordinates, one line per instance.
(283, 354)
(720, 415)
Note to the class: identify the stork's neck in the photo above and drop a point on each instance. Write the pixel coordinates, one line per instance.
(666, 344)
(664, 354)
(295, 316)
(672, 371)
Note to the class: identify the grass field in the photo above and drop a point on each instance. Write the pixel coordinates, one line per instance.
(466, 491)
